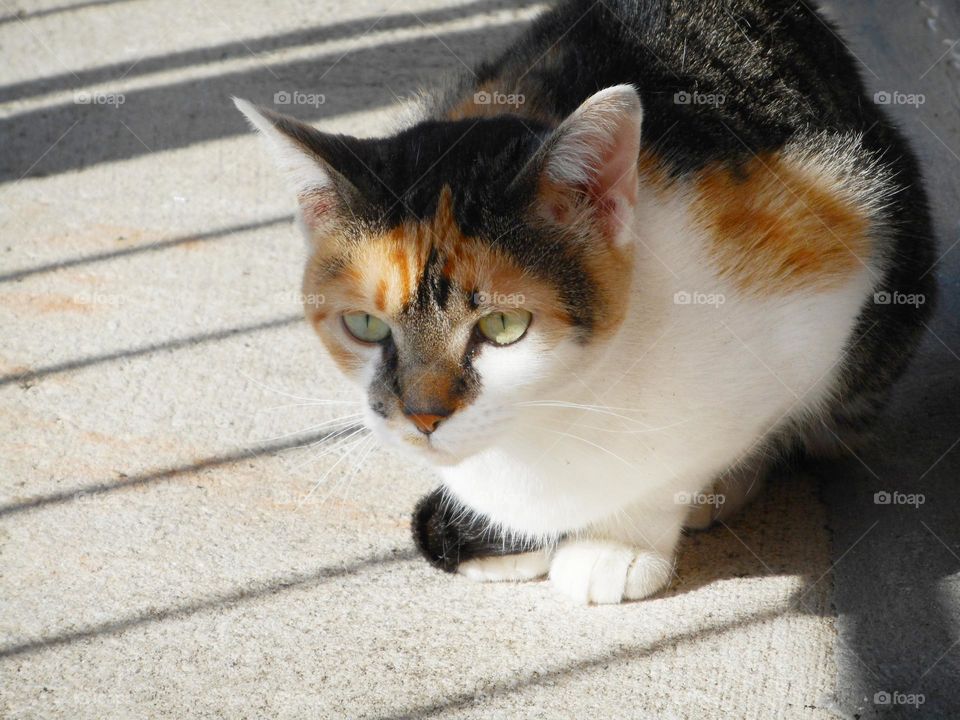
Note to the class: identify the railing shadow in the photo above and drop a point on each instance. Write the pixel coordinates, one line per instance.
(69, 135)
(29, 376)
(91, 259)
(263, 589)
(244, 49)
(60, 9)
(169, 473)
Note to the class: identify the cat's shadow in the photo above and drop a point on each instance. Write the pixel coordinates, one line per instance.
(873, 538)
(782, 533)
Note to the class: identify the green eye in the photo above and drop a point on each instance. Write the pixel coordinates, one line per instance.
(504, 328)
(366, 327)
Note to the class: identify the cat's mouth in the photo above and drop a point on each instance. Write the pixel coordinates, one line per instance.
(431, 450)
(427, 447)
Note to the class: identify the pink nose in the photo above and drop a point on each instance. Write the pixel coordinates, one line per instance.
(425, 422)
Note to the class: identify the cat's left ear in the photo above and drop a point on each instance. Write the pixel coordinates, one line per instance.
(589, 164)
(313, 162)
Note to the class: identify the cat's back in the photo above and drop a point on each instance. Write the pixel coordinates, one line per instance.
(719, 79)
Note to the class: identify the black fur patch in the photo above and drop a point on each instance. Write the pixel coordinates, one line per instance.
(446, 535)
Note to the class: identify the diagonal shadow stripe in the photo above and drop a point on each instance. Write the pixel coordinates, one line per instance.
(270, 588)
(244, 49)
(152, 247)
(624, 655)
(172, 472)
(85, 135)
(37, 14)
(176, 344)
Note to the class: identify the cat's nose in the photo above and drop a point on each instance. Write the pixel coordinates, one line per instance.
(425, 422)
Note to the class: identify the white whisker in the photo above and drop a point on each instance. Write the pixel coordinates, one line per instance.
(363, 451)
(642, 431)
(590, 442)
(600, 409)
(345, 420)
(320, 403)
(279, 392)
(336, 444)
(319, 482)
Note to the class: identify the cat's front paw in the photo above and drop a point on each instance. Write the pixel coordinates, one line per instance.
(604, 572)
(507, 568)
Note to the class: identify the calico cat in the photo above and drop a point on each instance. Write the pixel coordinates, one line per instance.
(607, 280)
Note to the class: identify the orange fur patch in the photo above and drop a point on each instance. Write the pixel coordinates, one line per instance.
(776, 229)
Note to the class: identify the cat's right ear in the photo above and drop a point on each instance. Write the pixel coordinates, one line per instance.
(305, 155)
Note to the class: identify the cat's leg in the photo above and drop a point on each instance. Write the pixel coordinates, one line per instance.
(629, 557)
(455, 539)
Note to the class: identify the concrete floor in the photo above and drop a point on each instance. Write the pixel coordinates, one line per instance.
(163, 551)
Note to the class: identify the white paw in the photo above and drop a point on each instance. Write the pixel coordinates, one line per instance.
(599, 571)
(507, 568)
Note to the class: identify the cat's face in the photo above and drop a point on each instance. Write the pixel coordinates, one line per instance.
(466, 268)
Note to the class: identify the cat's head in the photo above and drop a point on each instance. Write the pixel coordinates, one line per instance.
(468, 266)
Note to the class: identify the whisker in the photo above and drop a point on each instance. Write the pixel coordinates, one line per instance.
(589, 442)
(344, 420)
(321, 403)
(334, 435)
(338, 444)
(329, 470)
(275, 390)
(600, 409)
(642, 431)
(366, 447)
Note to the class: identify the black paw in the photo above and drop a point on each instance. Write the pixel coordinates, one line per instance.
(447, 534)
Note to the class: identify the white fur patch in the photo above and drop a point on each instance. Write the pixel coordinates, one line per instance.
(507, 568)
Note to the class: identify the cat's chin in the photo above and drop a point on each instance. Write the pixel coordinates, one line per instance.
(433, 455)
(420, 448)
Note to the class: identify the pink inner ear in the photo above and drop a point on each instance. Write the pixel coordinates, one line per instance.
(317, 205)
(612, 183)
(596, 155)
(616, 173)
